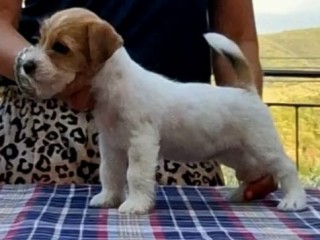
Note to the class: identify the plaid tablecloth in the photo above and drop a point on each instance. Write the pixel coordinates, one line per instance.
(62, 212)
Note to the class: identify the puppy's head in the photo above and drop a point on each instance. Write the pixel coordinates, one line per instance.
(73, 41)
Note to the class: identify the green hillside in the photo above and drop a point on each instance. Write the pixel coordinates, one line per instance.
(296, 44)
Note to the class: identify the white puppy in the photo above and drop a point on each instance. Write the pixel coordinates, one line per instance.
(143, 116)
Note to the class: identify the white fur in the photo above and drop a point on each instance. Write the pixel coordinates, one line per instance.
(223, 44)
(143, 116)
(159, 118)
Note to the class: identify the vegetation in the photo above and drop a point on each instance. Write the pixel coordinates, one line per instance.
(299, 49)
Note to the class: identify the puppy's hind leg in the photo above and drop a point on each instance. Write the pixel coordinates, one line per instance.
(113, 167)
(236, 158)
(294, 195)
(282, 168)
(265, 146)
(236, 195)
(143, 156)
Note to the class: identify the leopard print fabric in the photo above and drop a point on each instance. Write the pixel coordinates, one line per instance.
(45, 142)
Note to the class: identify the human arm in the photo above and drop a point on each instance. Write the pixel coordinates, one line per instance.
(235, 19)
(11, 42)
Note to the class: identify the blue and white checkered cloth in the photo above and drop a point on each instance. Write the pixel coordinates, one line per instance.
(32, 212)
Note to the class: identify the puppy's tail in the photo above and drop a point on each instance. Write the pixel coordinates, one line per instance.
(229, 49)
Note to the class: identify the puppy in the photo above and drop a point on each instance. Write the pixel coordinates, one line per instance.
(143, 116)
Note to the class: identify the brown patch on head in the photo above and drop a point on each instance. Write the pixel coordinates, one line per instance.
(77, 40)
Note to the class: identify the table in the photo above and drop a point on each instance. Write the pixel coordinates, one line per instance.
(62, 212)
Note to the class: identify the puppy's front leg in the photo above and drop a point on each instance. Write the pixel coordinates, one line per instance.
(113, 167)
(143, 156)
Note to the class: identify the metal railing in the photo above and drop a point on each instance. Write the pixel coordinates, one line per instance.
(291, 73)
(297, 106)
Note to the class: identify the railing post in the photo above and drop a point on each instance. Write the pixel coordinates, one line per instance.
(296, 108)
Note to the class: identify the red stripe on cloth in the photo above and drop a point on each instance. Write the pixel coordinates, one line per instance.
(229, 212)
(156, 226)
(14, 229)
(102, 228)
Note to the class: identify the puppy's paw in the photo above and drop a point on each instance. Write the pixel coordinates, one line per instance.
(105, 200)
(136, 206)
(235, 195)
(293, 202)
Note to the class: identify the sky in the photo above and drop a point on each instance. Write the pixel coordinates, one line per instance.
(280, 15)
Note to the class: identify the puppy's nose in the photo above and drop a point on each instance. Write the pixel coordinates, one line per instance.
(29, 67)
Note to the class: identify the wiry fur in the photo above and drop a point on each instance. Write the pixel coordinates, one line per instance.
(143, 116)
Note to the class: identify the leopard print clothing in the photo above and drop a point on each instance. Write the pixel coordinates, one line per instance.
(45, 142)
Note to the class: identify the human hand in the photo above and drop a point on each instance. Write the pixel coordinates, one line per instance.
(77, 94)
(260, 188)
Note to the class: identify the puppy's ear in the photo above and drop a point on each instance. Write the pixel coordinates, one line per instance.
(103, 41)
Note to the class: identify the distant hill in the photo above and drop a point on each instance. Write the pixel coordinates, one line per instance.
(297, 49)
(291, 49)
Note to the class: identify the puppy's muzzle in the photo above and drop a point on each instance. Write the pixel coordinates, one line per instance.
(23, 69)
(29, 67)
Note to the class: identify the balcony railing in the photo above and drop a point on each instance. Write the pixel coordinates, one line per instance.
(296, 74)
(291, 73)
(297, 107)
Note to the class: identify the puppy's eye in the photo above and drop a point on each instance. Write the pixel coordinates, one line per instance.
(60, 48)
